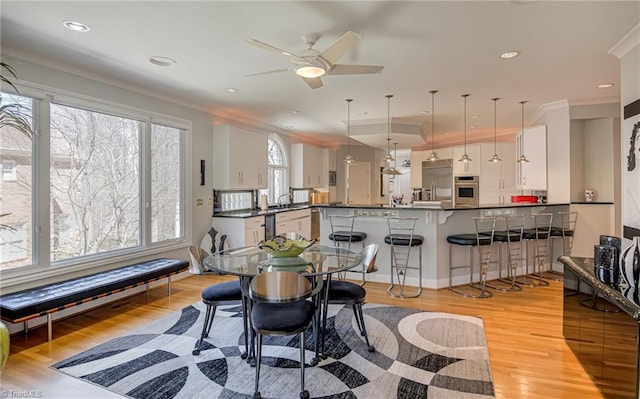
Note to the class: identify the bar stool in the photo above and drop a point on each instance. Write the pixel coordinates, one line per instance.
(342, 235)
(483, 240)
(401, 237)
(564, 232)
(511, 237)
(539, 237)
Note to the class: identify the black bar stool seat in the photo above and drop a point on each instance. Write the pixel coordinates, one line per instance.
(468, 239)
(346, 236)
(407, 240)
(402, 239)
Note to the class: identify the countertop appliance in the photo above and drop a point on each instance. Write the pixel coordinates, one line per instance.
(437, 180)
(467, 191)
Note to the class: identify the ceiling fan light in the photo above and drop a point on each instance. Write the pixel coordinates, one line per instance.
(310, 71)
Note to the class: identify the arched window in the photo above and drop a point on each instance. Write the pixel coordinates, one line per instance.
(277, 159)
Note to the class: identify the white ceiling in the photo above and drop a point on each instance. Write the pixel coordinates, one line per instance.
(450, 46)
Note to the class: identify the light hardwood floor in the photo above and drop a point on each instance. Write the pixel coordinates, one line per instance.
(528, 354)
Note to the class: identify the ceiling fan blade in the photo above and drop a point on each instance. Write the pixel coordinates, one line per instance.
(314, 83)
(267, 72)
(268, 47)
(343, 69)
(338, 48)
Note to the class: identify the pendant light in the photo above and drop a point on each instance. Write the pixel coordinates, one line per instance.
(434, 154)
(348, 159)
(465, 157)
(495, 157)
(388, 158)
(389, 170)
(522, 158)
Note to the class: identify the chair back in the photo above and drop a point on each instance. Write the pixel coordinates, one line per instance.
(515, 227)
(197, 255)
(485, 229)
(279, 287)
(543, 225)
(369, 254)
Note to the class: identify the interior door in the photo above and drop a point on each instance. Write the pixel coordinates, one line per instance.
(358, 183)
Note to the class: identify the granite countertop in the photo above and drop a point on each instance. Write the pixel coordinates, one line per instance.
(246, 213)
(600, 279)
(437, 208)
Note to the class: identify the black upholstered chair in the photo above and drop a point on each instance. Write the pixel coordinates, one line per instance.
(225, 293)
(280, 308)
(348, 293)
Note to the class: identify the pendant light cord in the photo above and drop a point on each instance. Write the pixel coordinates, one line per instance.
(389, 96)
(495, 125)
(348, 100)
(433, 122)
(465, 122)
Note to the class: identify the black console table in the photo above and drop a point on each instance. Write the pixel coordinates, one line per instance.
(604, 336)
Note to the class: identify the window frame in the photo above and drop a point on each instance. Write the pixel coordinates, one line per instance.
(41, 266)
(273, 167)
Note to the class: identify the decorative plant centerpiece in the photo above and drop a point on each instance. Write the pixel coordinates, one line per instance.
(285, 246)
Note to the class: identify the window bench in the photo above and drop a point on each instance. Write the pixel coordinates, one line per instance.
(45, 300)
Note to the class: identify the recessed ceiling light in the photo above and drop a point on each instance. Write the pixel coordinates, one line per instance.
(231, 90)
(162, 61)
(423, 112)
(76, 26)
(363, 113)
(290, 126)
(605, 85)
(474, 116)
(472, 126)
(295, 112)
(509, 54)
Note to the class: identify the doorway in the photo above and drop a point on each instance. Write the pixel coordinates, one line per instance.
(358, 183)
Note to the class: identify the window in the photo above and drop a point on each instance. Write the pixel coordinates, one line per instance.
(95, 182)
(166, 200)
(16, 151)
(115, 183)
(277, 171)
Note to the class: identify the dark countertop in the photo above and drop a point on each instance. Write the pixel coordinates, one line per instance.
(436, 208)
(591, 203)
(247, 213)
(618, 294)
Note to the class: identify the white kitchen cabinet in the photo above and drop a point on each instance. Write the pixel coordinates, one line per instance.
(497, 179)
(309, 166)
(298, 221)
(241, 232)
(417, 157)
(532, 175)
(239, 159)
(471, 168)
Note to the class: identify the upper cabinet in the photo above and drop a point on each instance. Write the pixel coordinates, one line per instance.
(532, 175)
(308, 166)
(471, 168)
(239, 159)
(497, 179)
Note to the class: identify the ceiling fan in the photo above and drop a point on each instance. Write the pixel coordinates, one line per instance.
(311, 64)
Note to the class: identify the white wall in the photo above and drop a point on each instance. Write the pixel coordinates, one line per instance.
(577, 161)
(628, 51)
(598, 158)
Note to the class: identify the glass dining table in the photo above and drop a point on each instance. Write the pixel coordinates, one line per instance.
(318, 261)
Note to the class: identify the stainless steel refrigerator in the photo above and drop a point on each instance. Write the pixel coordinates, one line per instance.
(437, 180)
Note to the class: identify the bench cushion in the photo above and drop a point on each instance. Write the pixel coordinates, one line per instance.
(37, 301)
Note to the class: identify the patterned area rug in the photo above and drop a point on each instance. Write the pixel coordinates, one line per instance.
(418, 355)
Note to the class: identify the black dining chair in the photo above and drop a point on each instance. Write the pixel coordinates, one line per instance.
(343, 292)
(215, 295)
(280, 307)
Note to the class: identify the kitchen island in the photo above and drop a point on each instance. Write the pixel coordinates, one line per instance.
(434, 223)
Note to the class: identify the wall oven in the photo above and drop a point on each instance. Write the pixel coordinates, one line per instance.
(466, 191)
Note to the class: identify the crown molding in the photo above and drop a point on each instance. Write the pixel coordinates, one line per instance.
(624, 46)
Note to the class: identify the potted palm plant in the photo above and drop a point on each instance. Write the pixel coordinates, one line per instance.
(11, 114)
